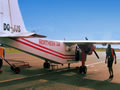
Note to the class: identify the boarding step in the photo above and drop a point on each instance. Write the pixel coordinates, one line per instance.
(17, 65)
(22, 65)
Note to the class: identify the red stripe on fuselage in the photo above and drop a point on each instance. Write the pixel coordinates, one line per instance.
(45, 48)
(42, 49)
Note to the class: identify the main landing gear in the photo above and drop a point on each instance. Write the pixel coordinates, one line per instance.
(83, 69)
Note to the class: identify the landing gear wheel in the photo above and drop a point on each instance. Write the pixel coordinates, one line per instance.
(80, 69)
(17, 70)
(46, 65)
(83, 69)
(12, 68)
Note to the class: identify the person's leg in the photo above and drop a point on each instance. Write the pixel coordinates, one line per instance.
(109, 72)
(1, 63)
(109, 69)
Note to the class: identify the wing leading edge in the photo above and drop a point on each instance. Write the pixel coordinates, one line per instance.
(91, 42)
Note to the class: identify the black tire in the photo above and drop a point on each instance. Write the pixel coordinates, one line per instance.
(17, 70)
(80, 69)
(12, 68)
(84, 69)
(46, 65)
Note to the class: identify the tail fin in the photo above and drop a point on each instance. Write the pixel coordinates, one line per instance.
(11, 22)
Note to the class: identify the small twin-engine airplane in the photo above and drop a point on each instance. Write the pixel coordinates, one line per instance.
(14, 34)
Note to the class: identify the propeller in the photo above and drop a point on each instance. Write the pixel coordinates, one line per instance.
(94, 50)
(96, 54)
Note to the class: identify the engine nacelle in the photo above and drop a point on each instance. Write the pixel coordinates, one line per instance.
(82, 51)
(88, 49)
(91, 49)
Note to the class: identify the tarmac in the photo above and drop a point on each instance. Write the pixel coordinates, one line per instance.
(37, 78)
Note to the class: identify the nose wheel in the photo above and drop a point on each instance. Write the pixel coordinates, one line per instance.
(46, 65)
(83, 69)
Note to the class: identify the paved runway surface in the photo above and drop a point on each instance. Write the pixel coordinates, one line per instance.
(36, 78)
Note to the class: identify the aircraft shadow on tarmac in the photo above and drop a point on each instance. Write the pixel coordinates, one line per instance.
(65, 76)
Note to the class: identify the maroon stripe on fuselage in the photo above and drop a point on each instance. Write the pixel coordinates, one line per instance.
(46, 48)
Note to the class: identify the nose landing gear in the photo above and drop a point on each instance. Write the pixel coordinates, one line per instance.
(46, 65)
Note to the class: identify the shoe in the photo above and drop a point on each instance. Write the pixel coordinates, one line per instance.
(111, 76)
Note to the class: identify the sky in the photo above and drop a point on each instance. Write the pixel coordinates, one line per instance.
(73, 19)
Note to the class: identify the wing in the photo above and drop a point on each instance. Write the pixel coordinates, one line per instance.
(88, 45)
(91, 42)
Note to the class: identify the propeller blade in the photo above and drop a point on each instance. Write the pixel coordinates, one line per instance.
(96, 54)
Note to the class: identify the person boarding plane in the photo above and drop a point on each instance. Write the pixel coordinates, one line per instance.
(14, 34)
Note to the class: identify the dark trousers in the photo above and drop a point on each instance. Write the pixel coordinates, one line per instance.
(110, 62)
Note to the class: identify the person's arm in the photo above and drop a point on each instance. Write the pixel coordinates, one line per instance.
(114, 56)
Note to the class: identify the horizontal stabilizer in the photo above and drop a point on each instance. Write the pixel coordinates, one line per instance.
(27, 35)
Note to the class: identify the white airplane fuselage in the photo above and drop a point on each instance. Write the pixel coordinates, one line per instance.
(53, 51)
